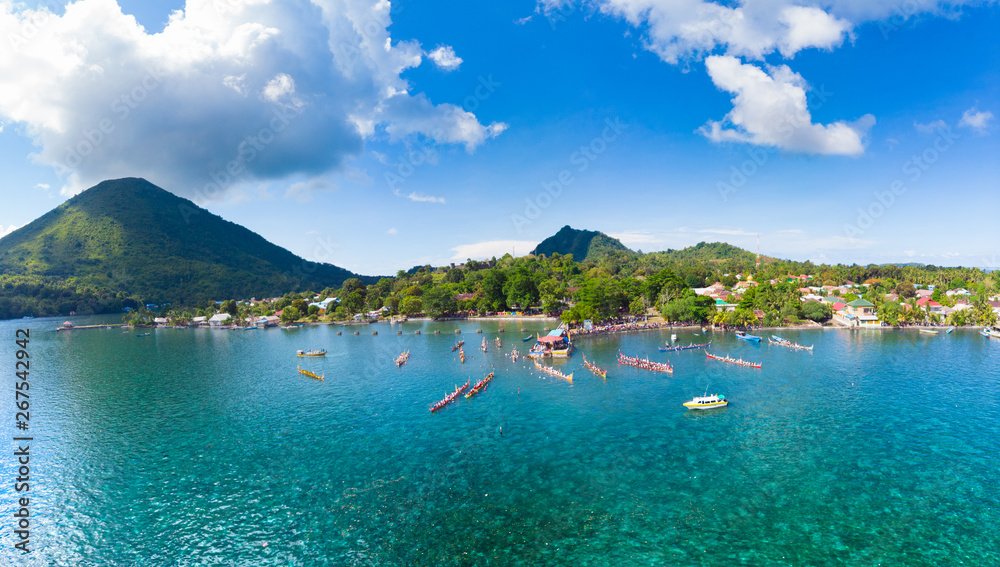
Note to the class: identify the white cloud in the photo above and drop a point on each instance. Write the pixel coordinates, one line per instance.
(392, 231)
(489, 249)
(771, 110)
(630, 237)
(238, 84)
(446, 123)
(102, 98)
(280, 88)
(806, 27)
(445, 58)
(681, 29)
(303, 191)
(422, 198)
(975, 119)
(931, 127)
(43, 186)
(726, 231)
(5, 231)
(418, 197)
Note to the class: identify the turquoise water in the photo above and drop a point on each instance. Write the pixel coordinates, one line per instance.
(193, 447)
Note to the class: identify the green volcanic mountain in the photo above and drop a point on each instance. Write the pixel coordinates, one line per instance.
(582, 244)
(130, 236)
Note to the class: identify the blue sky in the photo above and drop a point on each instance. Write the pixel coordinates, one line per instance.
(851, 132)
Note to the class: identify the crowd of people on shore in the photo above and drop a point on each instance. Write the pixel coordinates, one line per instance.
(736, 327)
(617, 326)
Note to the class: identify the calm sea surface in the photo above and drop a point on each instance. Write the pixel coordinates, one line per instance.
(205, 447)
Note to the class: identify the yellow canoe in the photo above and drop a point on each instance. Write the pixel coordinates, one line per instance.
(310, 374)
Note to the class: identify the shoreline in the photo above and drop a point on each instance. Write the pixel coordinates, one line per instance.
(542, 318)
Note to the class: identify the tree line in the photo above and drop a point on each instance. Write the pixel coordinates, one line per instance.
(660, 283)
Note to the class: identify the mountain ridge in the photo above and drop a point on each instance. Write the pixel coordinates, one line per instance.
(582, 244)
(130, 235)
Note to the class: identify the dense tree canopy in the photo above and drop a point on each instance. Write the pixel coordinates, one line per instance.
(612, 285)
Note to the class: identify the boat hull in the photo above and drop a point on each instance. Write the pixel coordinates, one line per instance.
(694, 406)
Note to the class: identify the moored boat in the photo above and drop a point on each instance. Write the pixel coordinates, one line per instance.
(707, 402)
(556, 344)
(928, 332)
(526, 339)
(311, 352)
(747, 337)
(949, 330)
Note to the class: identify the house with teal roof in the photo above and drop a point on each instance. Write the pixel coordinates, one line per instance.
(858, 313)
(864, 314)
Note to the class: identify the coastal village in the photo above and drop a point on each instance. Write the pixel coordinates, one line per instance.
(850, 309)
(846, 305)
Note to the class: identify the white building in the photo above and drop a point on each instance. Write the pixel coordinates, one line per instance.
(219, 319)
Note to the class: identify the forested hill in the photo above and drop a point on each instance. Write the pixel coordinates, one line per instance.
(707, 253)
(129, 237)
(582, 244)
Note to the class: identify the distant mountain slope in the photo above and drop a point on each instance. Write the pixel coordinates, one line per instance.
(709, 252)
(130, 235)
(582, 244)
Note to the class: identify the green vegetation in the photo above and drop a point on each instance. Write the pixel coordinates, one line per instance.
(583, 245)
(128, 239)
(126, 243)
